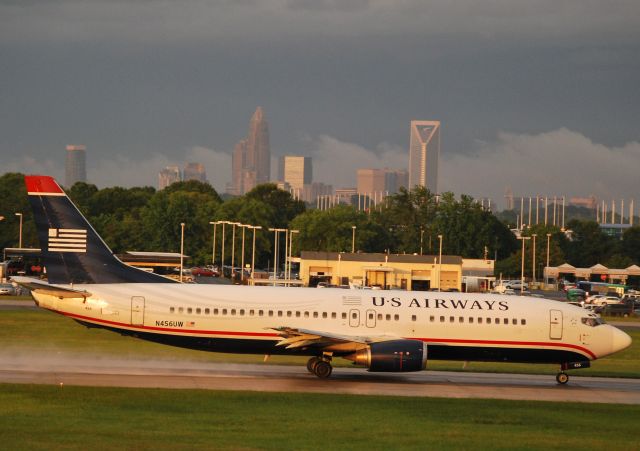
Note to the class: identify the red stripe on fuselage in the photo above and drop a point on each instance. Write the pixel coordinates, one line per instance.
(274, 335)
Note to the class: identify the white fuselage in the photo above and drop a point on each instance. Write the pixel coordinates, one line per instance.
(445, 321)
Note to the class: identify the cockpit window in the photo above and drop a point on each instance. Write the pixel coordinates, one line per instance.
(592, 321)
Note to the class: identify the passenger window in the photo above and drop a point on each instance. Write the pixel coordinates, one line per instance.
(233, 311)
(289, 313)
(471, 320)
(479, 320)
(297, 314)
(260, 312)
(207, 311)
(189, 310)
(505, 321)
(242, 312)
(180, 309)
(514, 322)
(354, 315)
(523, 322)
(306, 314)
(432, 318)
(442, 319)
(172, 309)
(497, 320)
(371, 316)
(488, 320)
(324, 314)
(270, 312)
(215, 311)
(198, 311)
(413, 318)
(315, 314)
(344, 315)
(461, 319)
(279, 312)
(379, 316)
(252, 312)
(333, 315)
(451, 319)
(396, 317)
(224, 311)
(388, 317)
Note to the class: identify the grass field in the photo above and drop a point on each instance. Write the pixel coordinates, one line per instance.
(45, 332)
(77, 418)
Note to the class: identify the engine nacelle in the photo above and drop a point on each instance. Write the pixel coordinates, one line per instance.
(392, 356)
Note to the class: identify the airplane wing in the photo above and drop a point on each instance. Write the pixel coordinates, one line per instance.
(38, 286)
(298, 338)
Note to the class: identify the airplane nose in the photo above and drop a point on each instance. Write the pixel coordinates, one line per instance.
(620, 340)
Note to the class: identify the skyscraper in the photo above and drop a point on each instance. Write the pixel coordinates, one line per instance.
(424, 153)
(296, 171)
(252, 156)
(75, 165)
(169, 175)
(194, 171)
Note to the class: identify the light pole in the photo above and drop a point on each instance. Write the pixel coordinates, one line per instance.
(253, 252)
(213, 247)
(222, 249)
(20, 239)
(421, 239)
(291, 232)
(244, 227)
(275, 253)
(181, 249)
(440, 263)
(546, 281)
(353, 239)
(523, 238)
(233, 247)
(533, 258)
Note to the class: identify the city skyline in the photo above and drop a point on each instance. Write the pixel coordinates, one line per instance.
(251, 159)
(531, 94)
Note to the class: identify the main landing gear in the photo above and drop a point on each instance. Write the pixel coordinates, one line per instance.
(320, 366)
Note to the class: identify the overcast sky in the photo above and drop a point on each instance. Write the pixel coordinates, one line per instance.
(541, 96)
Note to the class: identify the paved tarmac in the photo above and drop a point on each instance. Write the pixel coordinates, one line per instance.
(86, 371)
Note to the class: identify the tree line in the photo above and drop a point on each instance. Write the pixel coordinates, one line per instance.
(146, 219)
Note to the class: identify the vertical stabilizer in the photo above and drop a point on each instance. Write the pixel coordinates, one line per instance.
(72, 251)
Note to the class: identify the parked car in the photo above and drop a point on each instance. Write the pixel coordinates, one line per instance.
(606, 300)
(590, 299)
(205, 272)
(516, 285)
(6, 289)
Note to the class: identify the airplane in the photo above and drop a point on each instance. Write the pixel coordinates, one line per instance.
(384, 331)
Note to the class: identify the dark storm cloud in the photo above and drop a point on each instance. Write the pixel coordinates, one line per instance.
(153, 80)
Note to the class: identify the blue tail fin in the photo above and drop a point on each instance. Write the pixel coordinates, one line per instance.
(72, 250)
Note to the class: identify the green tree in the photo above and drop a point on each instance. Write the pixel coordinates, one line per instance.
(14, 199)
(630, 245)
(588, 245)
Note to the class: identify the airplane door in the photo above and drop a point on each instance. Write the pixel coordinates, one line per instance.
(354, 317)
(137, 311)
(555, 324)
(371, 318)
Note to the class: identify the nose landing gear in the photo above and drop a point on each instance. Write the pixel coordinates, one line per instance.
(562, 378)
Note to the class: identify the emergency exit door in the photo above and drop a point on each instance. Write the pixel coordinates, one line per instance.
(137, 311)
(555, 324)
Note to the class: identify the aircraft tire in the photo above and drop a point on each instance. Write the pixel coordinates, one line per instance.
(311, 364)
(562, 378)
(322, 369)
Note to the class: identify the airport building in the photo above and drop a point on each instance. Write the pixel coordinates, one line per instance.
(384, 271)
(424, 154)
(75, 165)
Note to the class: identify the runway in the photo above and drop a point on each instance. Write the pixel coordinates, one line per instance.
(87, 371)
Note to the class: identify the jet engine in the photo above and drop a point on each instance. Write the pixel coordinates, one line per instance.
(392, 356)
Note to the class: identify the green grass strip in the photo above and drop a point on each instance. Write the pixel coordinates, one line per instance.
(79, 418)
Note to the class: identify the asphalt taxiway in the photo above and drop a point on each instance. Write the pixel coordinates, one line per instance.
(277, 378)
